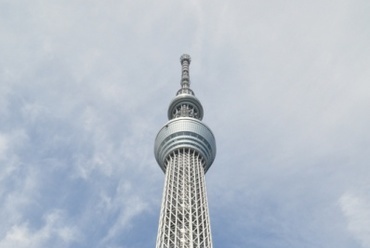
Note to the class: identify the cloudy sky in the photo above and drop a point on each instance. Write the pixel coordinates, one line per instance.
(85, 86)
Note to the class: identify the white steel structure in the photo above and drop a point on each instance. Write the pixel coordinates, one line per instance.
(185, 149)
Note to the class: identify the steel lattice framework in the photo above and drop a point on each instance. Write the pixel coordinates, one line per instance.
(185, 148)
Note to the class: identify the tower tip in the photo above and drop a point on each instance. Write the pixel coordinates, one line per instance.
(185, 57)
(185, 78)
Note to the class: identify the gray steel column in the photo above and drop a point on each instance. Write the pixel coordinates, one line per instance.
(185, 148)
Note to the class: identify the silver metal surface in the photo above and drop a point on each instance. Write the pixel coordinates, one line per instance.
(185, 105)
(184, 220)
(188, 133)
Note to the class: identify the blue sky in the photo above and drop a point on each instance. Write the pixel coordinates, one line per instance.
(85, 86)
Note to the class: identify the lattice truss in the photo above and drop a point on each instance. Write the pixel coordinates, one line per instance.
(184, 220)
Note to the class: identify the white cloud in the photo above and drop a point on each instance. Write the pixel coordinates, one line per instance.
(3, 146)
(356, 209)
(21, 235)
(129, 208)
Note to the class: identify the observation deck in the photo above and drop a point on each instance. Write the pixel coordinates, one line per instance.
(185, 129)
(188, 133)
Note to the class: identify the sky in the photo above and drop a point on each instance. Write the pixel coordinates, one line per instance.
(85, 87)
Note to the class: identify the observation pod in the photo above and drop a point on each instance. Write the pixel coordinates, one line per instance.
(188, 133)
(185, 128)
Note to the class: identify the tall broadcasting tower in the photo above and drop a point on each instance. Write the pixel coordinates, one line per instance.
(185, 149)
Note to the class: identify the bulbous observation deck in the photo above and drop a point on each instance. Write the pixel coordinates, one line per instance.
(185, 128)
(185, 132)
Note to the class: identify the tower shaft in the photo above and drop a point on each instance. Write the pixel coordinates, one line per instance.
(184, 220)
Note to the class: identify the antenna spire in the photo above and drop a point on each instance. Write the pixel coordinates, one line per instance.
(185, 62)
(185, 78)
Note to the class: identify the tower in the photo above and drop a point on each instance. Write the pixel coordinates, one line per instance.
(184, 148)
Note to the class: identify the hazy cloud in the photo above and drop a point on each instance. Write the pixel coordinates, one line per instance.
(356, 209)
